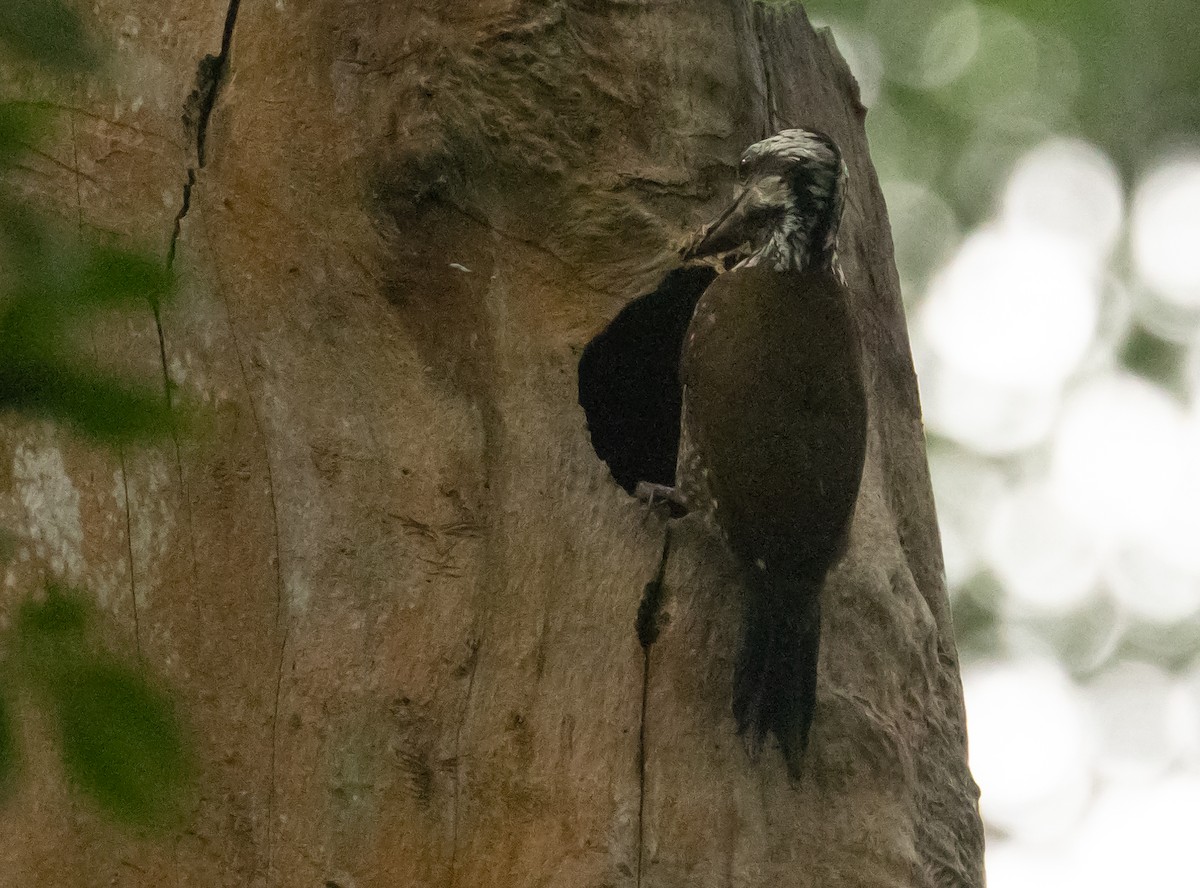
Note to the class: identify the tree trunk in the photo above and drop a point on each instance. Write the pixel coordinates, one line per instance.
(392, 586)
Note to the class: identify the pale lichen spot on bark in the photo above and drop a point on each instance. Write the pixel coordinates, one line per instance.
(189, 377)
(298, 590)
(51, 503)
(152, 520)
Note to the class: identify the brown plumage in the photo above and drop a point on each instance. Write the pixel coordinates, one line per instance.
(773, 431)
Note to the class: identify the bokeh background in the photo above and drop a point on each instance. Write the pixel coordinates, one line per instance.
(1041, 163)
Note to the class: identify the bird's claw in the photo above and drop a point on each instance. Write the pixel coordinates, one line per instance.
(652, 494)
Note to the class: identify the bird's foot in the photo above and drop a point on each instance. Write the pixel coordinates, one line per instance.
(651, 494)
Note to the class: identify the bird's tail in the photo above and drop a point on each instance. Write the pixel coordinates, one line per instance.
(775, 682)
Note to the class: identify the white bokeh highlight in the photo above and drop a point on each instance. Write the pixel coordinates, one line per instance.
(950, 46)
(1140, 833)
(1015, 865)
(1069, 188)
(1030, 751)
(1150, 586)
(1128, 706)
(1047, 560)
(967, 490)
(1073, 483)
(987, 417)
(1166, 231)
(1118, 454)
(1013, 308)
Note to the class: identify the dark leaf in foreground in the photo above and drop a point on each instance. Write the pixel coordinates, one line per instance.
(8, 749)
(60, 285)
(114, 277)
(46, 31)
(60, 616)
(19, 122)
(104, 408)
(121, 743)
(50, 634)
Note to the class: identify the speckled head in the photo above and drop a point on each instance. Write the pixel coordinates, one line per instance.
(789, 206)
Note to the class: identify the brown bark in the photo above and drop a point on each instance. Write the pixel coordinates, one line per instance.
(392, 586)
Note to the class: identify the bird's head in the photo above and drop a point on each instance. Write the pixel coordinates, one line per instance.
(789, 204)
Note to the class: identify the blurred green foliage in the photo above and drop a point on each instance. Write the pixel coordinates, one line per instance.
(118, 735)
(50, 287)
(8, 750)
(120, 740)
(40, 375)
(966, 87)
(48, 32)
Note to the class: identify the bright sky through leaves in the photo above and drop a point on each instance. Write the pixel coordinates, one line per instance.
(1041, 164)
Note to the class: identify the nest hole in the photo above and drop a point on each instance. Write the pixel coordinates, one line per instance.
(629, 384)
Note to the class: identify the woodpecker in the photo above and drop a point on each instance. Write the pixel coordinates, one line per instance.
(774, 417)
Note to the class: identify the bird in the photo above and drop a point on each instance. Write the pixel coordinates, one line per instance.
(773, 424)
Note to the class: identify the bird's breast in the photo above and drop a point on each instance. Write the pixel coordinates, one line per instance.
(788, 331)
(776, 410)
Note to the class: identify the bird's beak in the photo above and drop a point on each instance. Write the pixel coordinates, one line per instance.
(727, 231)
(757, 206)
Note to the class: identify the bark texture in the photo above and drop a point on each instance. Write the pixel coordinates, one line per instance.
(394, 589)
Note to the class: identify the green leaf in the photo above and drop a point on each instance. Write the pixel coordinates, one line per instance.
(8, 546)
(46, 31)
(121, 743)
(63, 613)
(102, 407)
(8, 749)
(114, 277)
(36, 255)
(57, 283)
(20, 124)
(50, 634)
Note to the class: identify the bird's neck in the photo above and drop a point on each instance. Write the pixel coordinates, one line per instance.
(791, 247)
(805, 239)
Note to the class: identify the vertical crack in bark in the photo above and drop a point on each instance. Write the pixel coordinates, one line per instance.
(647, 632)
(758, 13)
(458, 768)
(211, 72)
(210, 75)
(641, 820)
(282, 624)
(197, 110)
(493, 446)
(156, 308)
(275, 725)
(184, 205)
(137, 634)
(137, 631)
(280, 620)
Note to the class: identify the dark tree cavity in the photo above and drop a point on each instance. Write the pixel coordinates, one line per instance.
(629, 380)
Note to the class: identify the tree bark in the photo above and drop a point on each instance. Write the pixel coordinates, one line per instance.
(391, 584)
